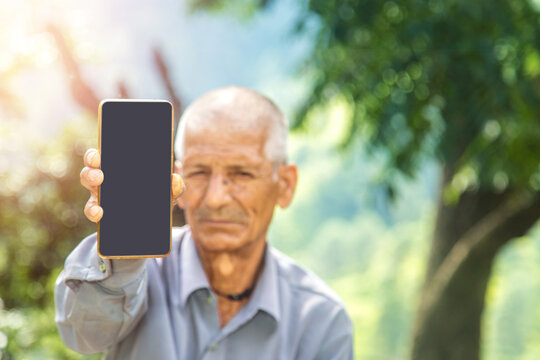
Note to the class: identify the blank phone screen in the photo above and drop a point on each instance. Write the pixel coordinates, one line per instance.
(136, 160)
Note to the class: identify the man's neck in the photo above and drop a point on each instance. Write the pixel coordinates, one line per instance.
(232, 273)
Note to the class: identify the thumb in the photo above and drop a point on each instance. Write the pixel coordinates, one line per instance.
(177, 186)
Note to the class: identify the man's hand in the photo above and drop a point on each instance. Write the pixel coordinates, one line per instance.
(92, 177)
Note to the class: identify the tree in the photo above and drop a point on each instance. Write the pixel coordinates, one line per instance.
(456, 81)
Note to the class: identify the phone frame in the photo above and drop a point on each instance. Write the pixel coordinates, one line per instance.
(103, 102)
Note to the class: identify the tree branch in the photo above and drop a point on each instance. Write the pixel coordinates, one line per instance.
(81, 91)
(165, 77)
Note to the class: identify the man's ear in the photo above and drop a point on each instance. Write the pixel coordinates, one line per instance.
(178, 170)
(287, 179)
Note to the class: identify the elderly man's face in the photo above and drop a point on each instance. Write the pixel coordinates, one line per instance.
(230, 188)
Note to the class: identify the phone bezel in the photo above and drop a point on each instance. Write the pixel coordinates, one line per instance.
(103, 102)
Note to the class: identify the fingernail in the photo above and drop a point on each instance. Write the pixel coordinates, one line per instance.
(94, 210)
(91, 157)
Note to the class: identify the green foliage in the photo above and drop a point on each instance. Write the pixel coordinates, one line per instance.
(452, 79)
(41, 221)
(40, 218)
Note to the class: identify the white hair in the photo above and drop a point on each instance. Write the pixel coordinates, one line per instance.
(275, 147)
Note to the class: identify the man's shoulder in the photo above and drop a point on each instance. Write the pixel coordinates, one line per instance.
(303, 281)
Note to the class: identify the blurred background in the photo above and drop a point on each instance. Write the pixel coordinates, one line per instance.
(414, 124)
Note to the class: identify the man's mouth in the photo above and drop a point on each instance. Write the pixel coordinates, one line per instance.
(221, 221)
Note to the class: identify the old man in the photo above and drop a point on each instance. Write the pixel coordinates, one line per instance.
(223, 292)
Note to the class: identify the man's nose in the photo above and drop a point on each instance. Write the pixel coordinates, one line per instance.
(217, 193)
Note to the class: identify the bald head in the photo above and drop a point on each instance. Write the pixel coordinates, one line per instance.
(236, 109)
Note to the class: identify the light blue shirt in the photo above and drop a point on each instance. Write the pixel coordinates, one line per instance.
(163, 309)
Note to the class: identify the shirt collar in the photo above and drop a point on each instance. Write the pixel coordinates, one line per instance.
(265, 295)
(192, 273)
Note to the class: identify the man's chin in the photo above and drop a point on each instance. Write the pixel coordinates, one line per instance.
(220, 241)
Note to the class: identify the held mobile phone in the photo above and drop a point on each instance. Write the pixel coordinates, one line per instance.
(135, 143)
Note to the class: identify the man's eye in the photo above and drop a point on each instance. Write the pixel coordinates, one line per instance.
(196, 173)
(245, 174)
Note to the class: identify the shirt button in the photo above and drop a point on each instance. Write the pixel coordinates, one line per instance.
(213, 347)
(102, 267)
(209, 300)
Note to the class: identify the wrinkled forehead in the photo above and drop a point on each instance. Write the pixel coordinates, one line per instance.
(232, 124)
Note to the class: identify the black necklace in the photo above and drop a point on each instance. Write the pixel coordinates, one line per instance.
(235, 297)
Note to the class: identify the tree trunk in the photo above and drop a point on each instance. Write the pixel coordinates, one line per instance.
(466, 239)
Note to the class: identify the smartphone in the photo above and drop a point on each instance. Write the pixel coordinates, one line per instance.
(136, 147)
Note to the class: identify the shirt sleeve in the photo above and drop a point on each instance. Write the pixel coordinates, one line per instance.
(98, 301)
(337, 343)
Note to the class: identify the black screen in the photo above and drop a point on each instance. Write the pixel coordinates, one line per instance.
(136, 160)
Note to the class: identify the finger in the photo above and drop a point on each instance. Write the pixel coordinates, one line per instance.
(92, 210)
(92, 158)
(178, 186)
(91, 178)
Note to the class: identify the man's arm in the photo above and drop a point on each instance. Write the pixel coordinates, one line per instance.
(98, 301)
